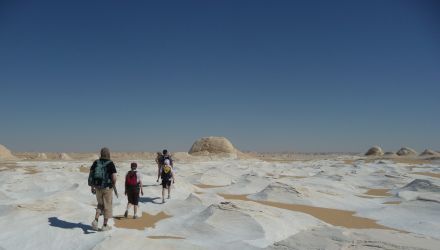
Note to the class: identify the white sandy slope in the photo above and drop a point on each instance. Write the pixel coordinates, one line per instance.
(48, 205)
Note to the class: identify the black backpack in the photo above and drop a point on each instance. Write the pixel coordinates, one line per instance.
(165, 157)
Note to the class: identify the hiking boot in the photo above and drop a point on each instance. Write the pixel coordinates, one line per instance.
(134, 217)
(106, 228)
(95, 225)
(126, 214)
(169, 197)
(163, 201)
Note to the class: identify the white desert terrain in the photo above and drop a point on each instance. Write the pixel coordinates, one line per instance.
(230, 202)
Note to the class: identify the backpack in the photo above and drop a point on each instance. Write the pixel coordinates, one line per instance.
(131, 178)
(163, 158)
(99, 177)
(166, 172)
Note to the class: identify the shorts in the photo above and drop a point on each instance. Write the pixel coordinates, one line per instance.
(166, 183)
(133, 195)
(104, 196)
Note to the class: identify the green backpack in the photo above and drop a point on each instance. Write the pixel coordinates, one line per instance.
(99, 176)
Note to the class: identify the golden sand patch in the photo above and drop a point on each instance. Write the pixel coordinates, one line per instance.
(207, 186)
(378, 192)
(146, 220)
(435, 175)
(31, 170)
(349, 162)
(166, 237)
(332, 216)
(292, 176)
(84, 169)
(7, 167)
(392, 202)
(399, 159)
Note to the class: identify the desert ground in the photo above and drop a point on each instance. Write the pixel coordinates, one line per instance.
(244, 201)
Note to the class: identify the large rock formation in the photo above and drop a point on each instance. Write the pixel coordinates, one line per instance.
(374, 151)
(406, 152)
(212, 145)
(429, 152)
(5, 154)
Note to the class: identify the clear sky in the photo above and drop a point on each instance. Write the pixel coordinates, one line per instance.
(268, 75)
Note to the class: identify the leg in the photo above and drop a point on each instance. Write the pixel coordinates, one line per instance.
(108, 205)
(135, 212)
(163, 195)
(158, 173)
(169, 190)
(99, 208)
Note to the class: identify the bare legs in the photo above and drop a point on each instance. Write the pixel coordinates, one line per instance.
(135, 208)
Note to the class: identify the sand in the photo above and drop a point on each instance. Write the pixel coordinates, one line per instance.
(378, 192)
(334, 217)
(145, 221)
(434, 175)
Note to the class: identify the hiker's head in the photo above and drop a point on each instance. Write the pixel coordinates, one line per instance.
(134, 165)
(105, 153)
(165, 152)
(167, 162)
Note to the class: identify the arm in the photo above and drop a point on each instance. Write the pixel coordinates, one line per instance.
(142, 189)
(114, 184)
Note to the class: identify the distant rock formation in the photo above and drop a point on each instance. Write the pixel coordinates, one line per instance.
(41, 156)
(405, 151)
(374, 151)
(64, 157)
(5, 154)
(429, 152)
(389, 153)
(212, 145)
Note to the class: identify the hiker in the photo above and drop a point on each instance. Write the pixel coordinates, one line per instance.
(158, 157)
(133, 184)
(102, 180)
(167, 176)
(160, 160)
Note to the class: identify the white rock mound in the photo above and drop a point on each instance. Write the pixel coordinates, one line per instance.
(420, 189)
(280, 192)
(64, 157)
(374, 151)
(5, 154)
(212, 146)
(41, 156)
(429, 152)
(405, 151)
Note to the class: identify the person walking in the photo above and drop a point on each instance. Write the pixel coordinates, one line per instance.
(160, 160)
(167, 176)
(102, 180)
(133, 184)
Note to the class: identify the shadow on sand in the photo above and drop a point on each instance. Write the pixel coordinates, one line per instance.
(55, 222)
(149, 199)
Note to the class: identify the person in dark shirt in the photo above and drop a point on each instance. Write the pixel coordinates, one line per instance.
(102, 179)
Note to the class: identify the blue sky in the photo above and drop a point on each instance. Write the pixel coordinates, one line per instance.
(268, 75)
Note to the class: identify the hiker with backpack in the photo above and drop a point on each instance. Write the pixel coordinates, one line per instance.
(160, 160)
(102, 180)
(133, 184)
(167, 176)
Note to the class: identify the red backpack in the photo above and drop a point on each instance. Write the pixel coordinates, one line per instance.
(131, 178)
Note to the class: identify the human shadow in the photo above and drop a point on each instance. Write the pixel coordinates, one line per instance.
(149, 200)
(55, 222)
(151, 185)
